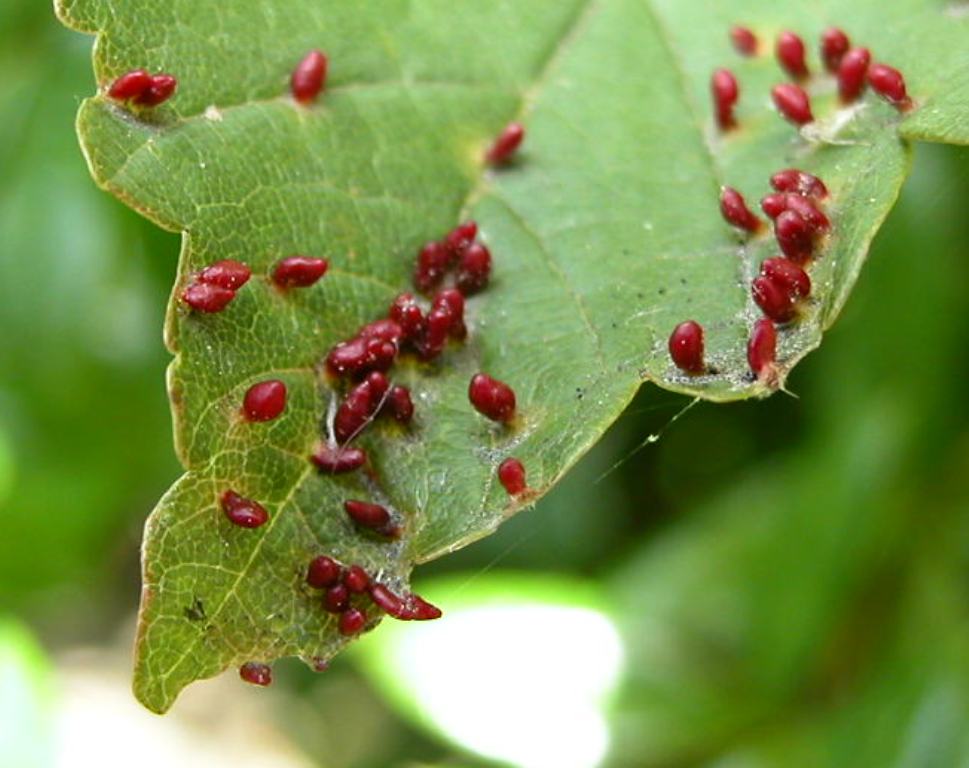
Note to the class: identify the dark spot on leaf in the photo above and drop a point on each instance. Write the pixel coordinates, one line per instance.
(196, 611)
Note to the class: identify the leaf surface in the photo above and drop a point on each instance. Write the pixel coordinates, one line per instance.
(605, 232)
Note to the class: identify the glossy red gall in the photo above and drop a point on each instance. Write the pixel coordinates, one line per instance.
(207, 298)
(374, 517)
(799, 182)
(834, 45)
(400, 405)
(686, 347)
(888, 83)
(511, 474)
(725, 91)
(352, 622)
(744, 40)
(227, 273)
(243, 512)
(774, 204)
(807, 210)
(774, 300)
(299, 271)
(790, 54)
(255, 673)
(162, 88)
(735, 212)
(309, 77)
(323, 572)
(360, 406)
(474, 269)
(416, 608)
(452, 300)
(492, 398)
(336, 598)
(264, 401)
(407, 313)
(853, 74)
(793, 103)
(788, 274)
(130, 85)
(337, 460)
(433, 261)
(356, 579)
(795, 236)
(762, 348)
(457, 241)
(507, 143)
(387, 601)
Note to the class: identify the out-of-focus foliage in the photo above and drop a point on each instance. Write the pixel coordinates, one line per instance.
(84, 425)
(796, 571)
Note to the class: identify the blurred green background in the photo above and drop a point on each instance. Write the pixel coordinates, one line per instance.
(789, 579)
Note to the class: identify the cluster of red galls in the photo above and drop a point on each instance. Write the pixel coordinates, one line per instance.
(851, 67)
(347, 591)
(307, 81)
(783, 284)
(410, 328)
(213, 289)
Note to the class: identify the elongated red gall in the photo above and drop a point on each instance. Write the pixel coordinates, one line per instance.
(359, 407)
(227, 273)
(162, 88)
(374, 517)
(724, 90)
(255, 673)
(492, 398)
(309, 77)
(299, 271)
(762, 348)
(786, 273)
(794, 236)
(204, 297)
(799, 182)
(474, 269)
(744, 40)
(416, 608)
(387, 601)
(243, 512)
(336, 598)
(793, 103)
(452, 300)
(734, 209)
(511, 474)
(888, 83)
(432, 264)
(774, 300)
(400, 405)
(356, 579)
(337, 460)
(853, 74)
(406, 312)
(774, 204)
(130, 85)
(506, 144)
(264, 401)
(834, 45)
(686, 347)
(323, 572)
(807, 210)
(790, 54)
(459, 239)
(352, 621)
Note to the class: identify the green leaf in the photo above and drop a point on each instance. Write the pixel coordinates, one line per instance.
(606, 233)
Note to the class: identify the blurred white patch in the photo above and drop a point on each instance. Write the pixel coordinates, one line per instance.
(525, 683)
(99, 723)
